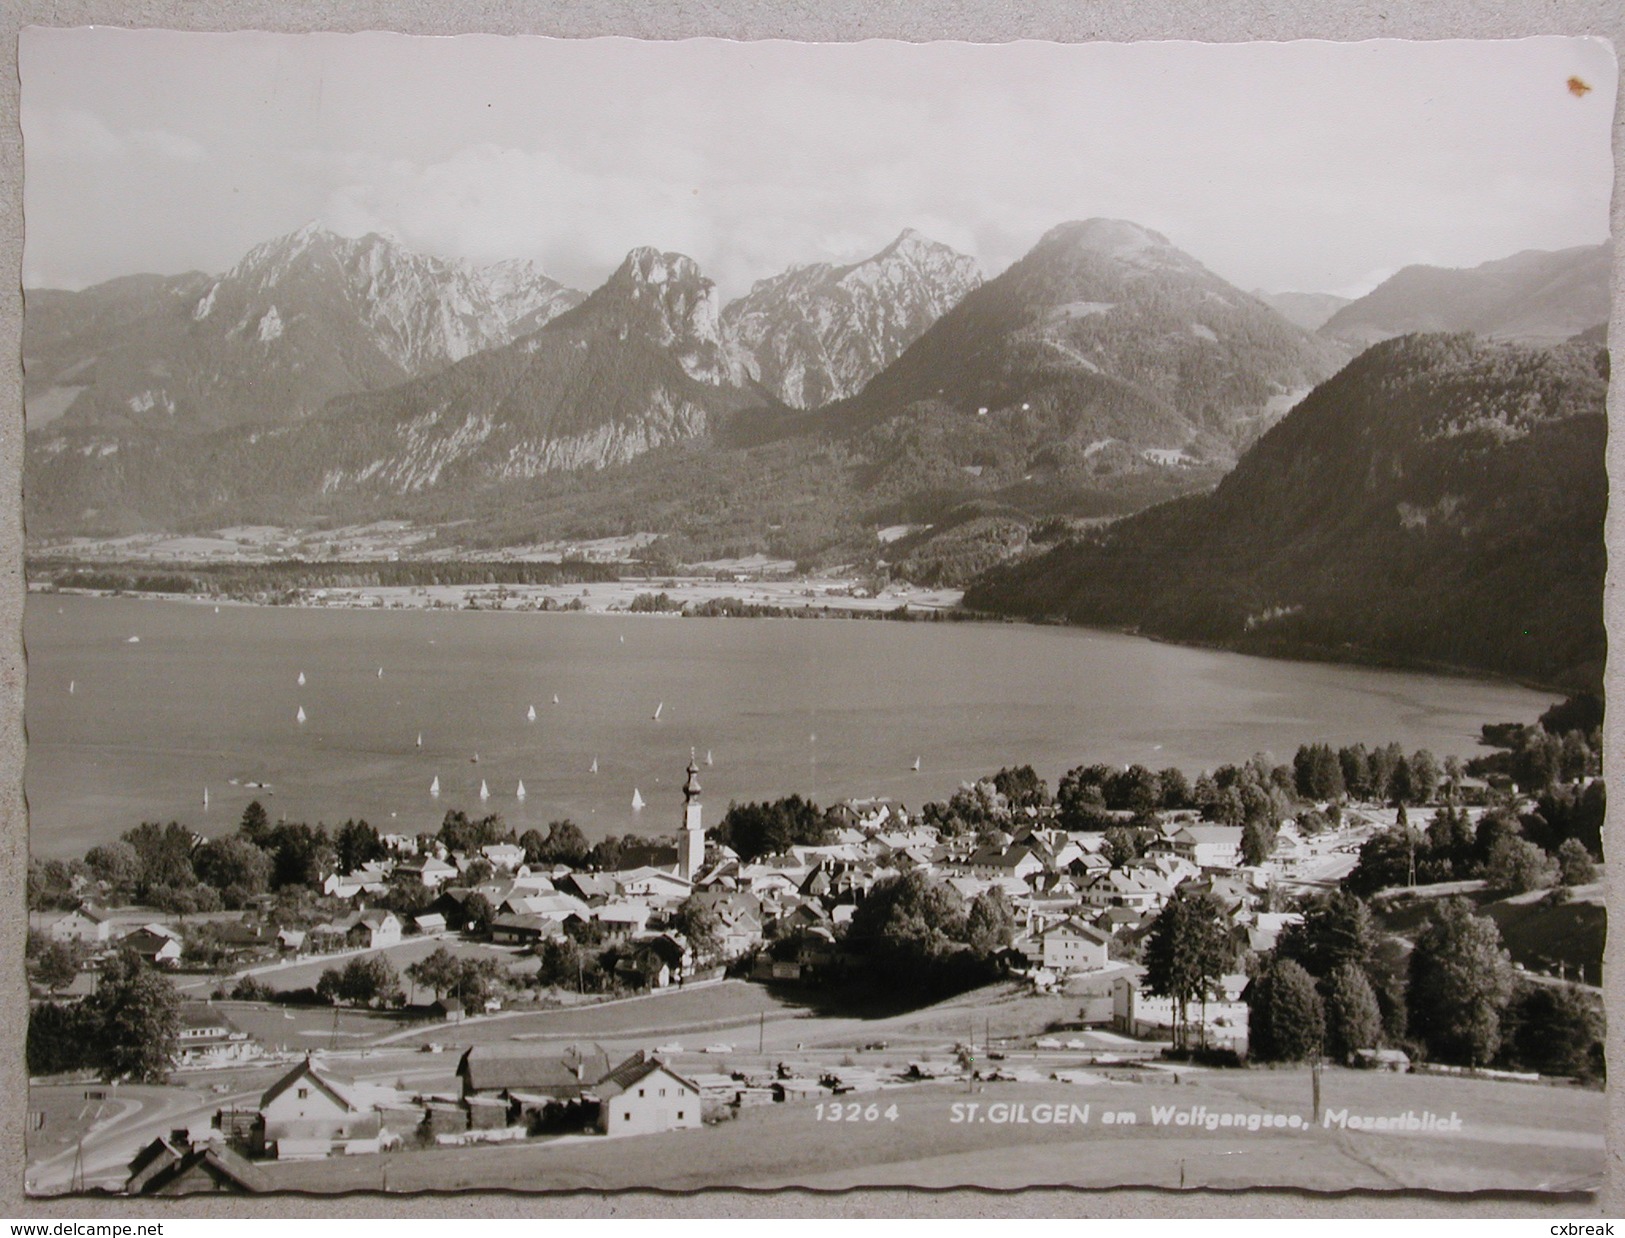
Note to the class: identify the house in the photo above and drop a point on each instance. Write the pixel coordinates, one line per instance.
(656, 962)
(622, 916)
(523, 1073)
(161, 949)
(206, 1037)
(504, 855)
(430, 922)
(374, 929)
(643, 1095)
(1207, 846)
(430, 871)
(292, 941)
(85, 924)
(1017, 862)
(521, 930)
(306, 1113)
(162, 1168)
(1073, 945)
(654, 884)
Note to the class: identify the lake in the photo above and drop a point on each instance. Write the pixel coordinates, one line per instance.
(826, 708)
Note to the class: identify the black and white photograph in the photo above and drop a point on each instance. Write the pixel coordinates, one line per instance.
(608, 614)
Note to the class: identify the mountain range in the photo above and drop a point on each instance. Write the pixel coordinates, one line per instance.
(1439, 502)
(325, 379)
(1534, 297)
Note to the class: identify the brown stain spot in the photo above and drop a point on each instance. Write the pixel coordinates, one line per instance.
(1579, 87)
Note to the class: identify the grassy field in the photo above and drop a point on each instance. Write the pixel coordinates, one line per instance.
(1514, 1137)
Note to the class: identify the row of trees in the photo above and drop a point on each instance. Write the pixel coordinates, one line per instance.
(920, 937)
(1333, 986)
(1545, 847)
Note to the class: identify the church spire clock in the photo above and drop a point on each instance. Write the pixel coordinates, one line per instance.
(691, 841)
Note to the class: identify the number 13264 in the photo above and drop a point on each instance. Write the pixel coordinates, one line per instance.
(853, 1111)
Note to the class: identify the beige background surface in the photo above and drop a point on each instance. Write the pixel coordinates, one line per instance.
(974, 20)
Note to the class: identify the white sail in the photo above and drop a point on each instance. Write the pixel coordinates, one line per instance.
(658, 708)
(301, 679)
(555, 698)
(530, 714)
(594, 768)
(217, 610)
(485, 791)
(205, 798)
(637, 800)
(380, 672)
(420, 739)
(434, 787)
(71, 683)
(520, 794)
(708, 756)
(134, 640)
(916, 765)
(300, 716)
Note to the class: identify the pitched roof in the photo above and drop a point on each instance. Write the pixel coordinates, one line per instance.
(218, 1162)
(307, 1070)
(507, 1067)
(639, 1066)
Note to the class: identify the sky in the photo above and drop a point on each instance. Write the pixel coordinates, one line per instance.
(1307, 166)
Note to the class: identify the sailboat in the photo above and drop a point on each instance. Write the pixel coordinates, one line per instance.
(420, 739)
(485, 791)
(637, 800)
(555, 698)
(658, 708)
(434, 787)
(71, 683)
(594, 768)
(916, 765)
(134, 640)
(217, 610)
(708, 756)
(205, 799)
(520, 794)
(475, 759)
(380, 672)
(301, 680)
(300, 716)
(530, 714)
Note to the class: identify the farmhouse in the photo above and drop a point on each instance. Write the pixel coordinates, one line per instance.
(307, 1114)
(642, 1096)
(522, 1072)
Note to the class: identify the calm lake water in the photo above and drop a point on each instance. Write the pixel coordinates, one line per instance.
(827, 708)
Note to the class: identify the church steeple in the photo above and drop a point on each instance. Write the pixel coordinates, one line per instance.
(691, 842)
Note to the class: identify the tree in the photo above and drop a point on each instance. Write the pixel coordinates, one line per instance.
(1556, 1029)
(1176, 788)
(1424, 776)
(256, 824)
(1355, 764)
(356, 843)
(1460, 977)
(1022, 787)
(60, 1037)
(302, 856)
(234, 861)
(1574, 863)
(50, 885)
(1353, 1018)
(1257, 841)
(565, 844)
(768, 828)
(1385, 860)
(165, 853)
(56, 963)
(908, 926)
(1336, 931)
(135, 1014)
(1122, 845)
(565, 963)
(990, 924)
(1285, 1019)
(1186, 951)
(478, 871)
(1517, 865)
(437, 971)
(697, 920)
(1081, 805)
(478, 914)
(116, 865)
(369, 978)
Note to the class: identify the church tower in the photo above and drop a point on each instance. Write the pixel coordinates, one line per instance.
(691, 841)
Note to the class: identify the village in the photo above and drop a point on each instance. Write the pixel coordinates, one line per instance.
(522, 1000)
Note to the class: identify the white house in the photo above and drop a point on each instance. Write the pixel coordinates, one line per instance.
(82, 924)
(1208, 846)
(642, 1096)
(504, 855)
(1073, 945)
